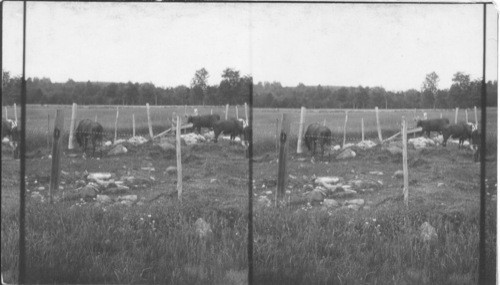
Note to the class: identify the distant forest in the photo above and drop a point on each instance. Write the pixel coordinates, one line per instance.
(234, 90)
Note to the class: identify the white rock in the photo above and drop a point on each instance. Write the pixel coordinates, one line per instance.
(104, 199)
(347, 145)
(118, 149)
(108, 143)
(356, 202)
(366, 144)
(99, 176)
(137, 140)
(330, 203)
(131, 198)
(119, 141)
(202, 228)
(428, 232)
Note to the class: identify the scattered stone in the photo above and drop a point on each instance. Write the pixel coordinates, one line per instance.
(301, 159)
(131, 198)
(327, 181)
(264, 201)
(108, 143)
(268, 192)
(137, 140)
(171, 170)
(398, 174)
(41, 188)
(330, 203)
(202, 228)
(367, 144)
(347, 153)
(421, 142)
(37, 196)
(104, 199)
(428, 233)
(376, 173)
(88, 192)
(394, 150)
(359, 202)
(127, 203)
(316, 196)
(118, 149)
(116, 190)
(193, 138)
(440, 184)
(213, 180)
(336, 147)
(353, 207)
(61, 187)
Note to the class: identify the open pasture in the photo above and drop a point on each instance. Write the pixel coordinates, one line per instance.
(153, 238)
(371, 237)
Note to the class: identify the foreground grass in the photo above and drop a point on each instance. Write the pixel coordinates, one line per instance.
(376, 247)
(152, 244)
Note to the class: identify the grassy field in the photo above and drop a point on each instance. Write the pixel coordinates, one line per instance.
(380, 243)
(154, 240)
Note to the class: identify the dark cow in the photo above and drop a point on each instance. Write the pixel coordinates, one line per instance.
(460, 131)
(315, 134)
(89, 131)
(434, 125)
(230, 127)
(476, 143)
(205, 121)
(11, 132)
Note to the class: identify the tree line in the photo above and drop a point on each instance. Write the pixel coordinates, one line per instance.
(234, 89)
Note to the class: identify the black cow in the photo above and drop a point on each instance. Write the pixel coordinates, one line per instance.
(11, 132)
(476, 143)
(230, 127)
(460, 131)
(89, 131)
(434, 125)
(315, 134)
(205, 121)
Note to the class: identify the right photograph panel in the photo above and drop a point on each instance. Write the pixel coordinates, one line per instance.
(367, 127)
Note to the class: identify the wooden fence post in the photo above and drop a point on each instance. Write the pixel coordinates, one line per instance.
(227, 110)
(441, 115)
(277, 135)
(405, 162)
(475, 114)
(95, 119)
(48, 131)
(72, 127)
(466, 116)
(237, 117)
(149, 122)
(285, 130)
(7, 113)
(301, 130)
(345, 127)
(362, 130)
(133, 124)
(174, 124)
(179, 162)
(116, 124)
(56, 151)
(15, 113)
(246, 113)
(324, 122)
(456, 115)
(185, 110)
(211, 111)
(378, 125)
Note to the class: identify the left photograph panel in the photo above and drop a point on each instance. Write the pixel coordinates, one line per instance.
(136, 142)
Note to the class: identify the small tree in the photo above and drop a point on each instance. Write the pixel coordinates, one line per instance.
(429, 90)
(199, 86)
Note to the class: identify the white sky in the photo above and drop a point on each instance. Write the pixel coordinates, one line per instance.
(388, 45)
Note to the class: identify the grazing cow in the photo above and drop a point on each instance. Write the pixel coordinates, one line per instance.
(460, 131)
(434, 125)
(205, 121)
(476, 143)
(230, 127)
(11, 132)
(89, 131)
(315, 134)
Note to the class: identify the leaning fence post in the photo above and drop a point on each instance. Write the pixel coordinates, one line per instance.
(285, 130)
(378, 125)
(227, 110)
(405, 162)
(15, 113)
(72, 127)
(56, 151)
(179, 162)
(362, 130)
(301, 130)
(345, 127)
(466, 116)
(456, 115)
(475, 114)
(116, 124)
(149, 122)
(133, 124)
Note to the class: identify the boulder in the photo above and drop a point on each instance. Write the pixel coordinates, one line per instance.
(366, 144)
(394, 149)
(398, 174)
(330, 203)
(316, 196)
(428, 233)
(202, 228)
(104, 199)
(137, 140)
(118, 149)
(347, 153)
(171, 170)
